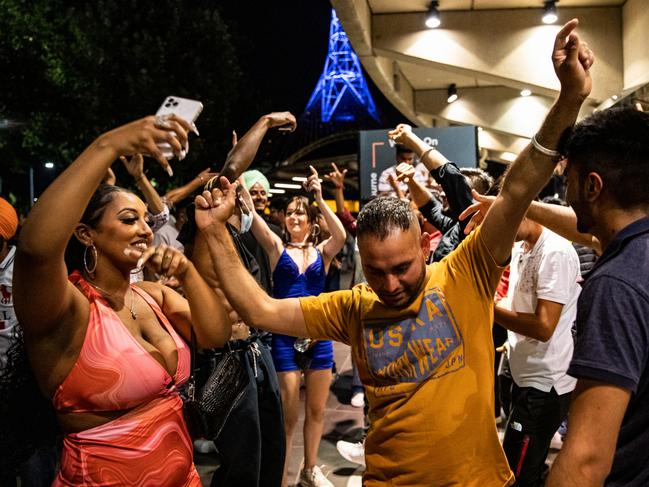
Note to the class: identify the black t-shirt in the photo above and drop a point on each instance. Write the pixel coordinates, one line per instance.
(612, 344)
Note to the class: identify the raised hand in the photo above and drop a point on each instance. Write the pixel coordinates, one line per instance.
(244, 197)
(313, 184)
(142, 137)
(478, 210)
(405, 172)
(134, 165)
(572, 60)
(337, 177)
(217, 206)
(163, 260)
(401, 133)
(205, 175)
(109, 177)
(281, 119)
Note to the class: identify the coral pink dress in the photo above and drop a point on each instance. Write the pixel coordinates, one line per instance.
(147, 446)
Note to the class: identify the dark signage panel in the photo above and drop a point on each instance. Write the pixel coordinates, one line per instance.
(377, 152)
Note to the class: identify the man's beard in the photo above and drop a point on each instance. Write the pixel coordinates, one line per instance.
(582, 210)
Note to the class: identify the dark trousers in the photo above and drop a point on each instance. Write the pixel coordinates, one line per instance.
(39, 470)
(252, 445)
(534, 418)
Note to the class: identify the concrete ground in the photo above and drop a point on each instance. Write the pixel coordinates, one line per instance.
(342, 421)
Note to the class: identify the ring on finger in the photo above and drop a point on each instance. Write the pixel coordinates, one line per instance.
(162, 121)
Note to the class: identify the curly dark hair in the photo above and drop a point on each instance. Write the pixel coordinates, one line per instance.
(615, 144)
(91, 217)
(27, 418)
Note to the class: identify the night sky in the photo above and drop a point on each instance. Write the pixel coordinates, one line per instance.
(282, 48)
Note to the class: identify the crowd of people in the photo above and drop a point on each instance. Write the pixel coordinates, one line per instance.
(117, 311)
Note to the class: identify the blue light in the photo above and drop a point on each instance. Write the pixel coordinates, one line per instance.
(342, 88)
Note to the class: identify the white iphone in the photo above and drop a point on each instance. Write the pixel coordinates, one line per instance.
(187, 109)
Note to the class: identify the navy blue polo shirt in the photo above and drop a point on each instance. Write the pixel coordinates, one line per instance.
(612, 344)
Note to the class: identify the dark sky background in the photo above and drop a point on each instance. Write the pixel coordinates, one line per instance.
(282, 47)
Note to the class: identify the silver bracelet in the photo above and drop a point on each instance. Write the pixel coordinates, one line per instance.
(423, 154)
(544, 150)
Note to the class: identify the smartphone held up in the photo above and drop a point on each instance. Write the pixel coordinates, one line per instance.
(187, 109)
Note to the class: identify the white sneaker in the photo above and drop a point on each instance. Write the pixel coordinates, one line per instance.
(202, 445)
(352, 452)
(314, 478)
(358, 399)
(557, 442)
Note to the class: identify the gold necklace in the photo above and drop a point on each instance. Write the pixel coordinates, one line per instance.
(131, 308)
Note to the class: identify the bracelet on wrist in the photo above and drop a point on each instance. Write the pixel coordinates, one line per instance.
(137, 180)
(423, 154)
(544, 150)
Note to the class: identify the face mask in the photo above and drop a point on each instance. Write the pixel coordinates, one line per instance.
(246, 222)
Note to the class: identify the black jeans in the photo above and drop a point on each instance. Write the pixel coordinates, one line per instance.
(534, 418)
(251, 445)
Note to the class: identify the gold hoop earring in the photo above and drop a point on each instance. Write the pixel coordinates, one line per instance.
(93, 251)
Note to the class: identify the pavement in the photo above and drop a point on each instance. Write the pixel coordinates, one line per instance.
(342, 422)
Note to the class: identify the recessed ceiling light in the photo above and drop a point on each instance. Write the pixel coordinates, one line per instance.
(526, 92)
(451, 93)
(432, 17)
(549, 12)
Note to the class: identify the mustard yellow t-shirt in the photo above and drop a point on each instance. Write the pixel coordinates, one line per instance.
(427, 371)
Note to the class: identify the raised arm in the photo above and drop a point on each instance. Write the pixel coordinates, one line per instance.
(255, 307)
(245, 150)
(331, 246)
(135, 167)
(560, 219)
(269, 240)
(337, 177)
(535, 164)
(203, 310)
(176, 195)
(418, 193)
(40, 272)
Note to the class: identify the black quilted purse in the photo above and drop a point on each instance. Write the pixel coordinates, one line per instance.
(207, 409)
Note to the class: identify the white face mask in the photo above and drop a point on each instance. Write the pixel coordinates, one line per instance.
(246, 222)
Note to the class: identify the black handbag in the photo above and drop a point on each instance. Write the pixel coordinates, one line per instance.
(207, 408)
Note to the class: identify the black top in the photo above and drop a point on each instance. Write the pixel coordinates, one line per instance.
(458, 195)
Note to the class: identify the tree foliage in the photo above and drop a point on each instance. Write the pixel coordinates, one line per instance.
(73, 70)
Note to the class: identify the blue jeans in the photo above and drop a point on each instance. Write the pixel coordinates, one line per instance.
(251, 445)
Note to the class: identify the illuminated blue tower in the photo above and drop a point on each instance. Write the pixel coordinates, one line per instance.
(341, 93)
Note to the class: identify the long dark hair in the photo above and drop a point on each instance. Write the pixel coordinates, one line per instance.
(91, 217)
(312, 212)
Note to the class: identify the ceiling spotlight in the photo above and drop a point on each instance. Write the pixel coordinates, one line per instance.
(549, 12)
(614, 98)
(526, 92)
(452, 93)
(432, 17)
(49, 165)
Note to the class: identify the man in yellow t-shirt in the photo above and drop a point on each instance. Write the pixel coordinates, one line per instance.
(420, 334)
(427, 366)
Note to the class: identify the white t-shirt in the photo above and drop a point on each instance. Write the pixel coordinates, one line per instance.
(8, 318)
(548, 271)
